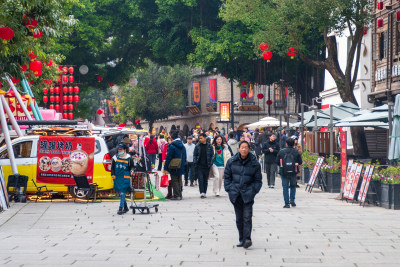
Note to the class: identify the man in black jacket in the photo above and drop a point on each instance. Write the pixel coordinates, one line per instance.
(270, 150)
(289, 180)
(242, 181)
(202, 159)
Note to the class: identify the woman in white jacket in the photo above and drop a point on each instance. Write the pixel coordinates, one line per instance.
(221, 156)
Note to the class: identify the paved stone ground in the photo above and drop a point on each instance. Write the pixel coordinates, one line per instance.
(320, 231)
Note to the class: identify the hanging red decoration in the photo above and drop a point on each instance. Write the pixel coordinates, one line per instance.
(71, 79)
(137, 121)
(14, 80)
(76, 98)
(70, 116)
(45, 99)
(71, 70)
(243, 94)
(244, 83)
(365, 30)
(65, 70)
(269, 102)
(30, 23)
(24, 67)
(379, 5)
(263, 46)
(65, 115)
(122, 124)
(31, 82)
(292, 52)
(99, 78)
(398, 15)
(70, 98)
(65, 107)
(6, 34)
(70, 107)
(57, 107)
(99, 112)
(65, 79)
(65, 98)
(51, 90)
(37, 73)
(76, 89)
(65, 89)
(49, 63)
(380, 23)
(36, 65)
(57, 98)
(51, 99)
(57, 90)
(70, 89)
(45, 90)
(37, 34)
(267, 56)
(51, 106)
(32, 55)
(260, 96)
(111, 84)
(225, 75)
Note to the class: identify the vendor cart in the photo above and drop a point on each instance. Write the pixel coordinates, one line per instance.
(141, 184)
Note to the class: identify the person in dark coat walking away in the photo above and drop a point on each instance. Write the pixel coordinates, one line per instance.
(243, 180)
(176, 150)
(122, 167)
(202, 158)
(289, 161)
(270, 150)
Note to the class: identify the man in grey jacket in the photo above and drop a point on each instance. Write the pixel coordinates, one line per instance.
(189, 168)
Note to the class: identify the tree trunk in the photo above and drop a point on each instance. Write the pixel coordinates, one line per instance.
(360, 146)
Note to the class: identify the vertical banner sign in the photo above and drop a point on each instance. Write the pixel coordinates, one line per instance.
(225, 111)
(212, 83)
(343, 157)
(364, 180)
(366, 186)
(62, 157)
(350, 173)
(355, 182)
(354, 170)
(315, 172)
(196, 93)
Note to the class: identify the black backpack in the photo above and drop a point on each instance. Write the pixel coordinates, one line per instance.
(289, 163)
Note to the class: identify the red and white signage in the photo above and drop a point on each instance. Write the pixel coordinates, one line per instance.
(343, 158)
(365, 184)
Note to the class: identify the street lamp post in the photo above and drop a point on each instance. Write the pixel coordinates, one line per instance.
(232, 107)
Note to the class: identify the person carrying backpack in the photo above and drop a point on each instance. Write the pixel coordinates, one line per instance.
(289, 160)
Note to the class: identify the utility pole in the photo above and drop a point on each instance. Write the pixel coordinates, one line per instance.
(232, 107)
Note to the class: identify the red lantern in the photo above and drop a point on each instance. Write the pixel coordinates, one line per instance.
(65, 107)
(111, 84)
(49, 63)
(99, 112)
(45, 99)
(30, 82)
(99, 78)
(45, 90)
(51, 90)
(225, 75)
(365, 30)
(24, 67)
(65, 116)
(32, 55)
(65, 89)
(30, 23)
(70, 107)
(243, 94)
(70, 89)
(51, 99)
(292, 52)
(36, 65)
(380, 23)
(260, 96)
(57, 90)
(65, 70)
(71, 79)
(398, 15)
(71, 70)
(76, 98)
(70, 98)
(379, 5)
(70, 116)
(76, 89)
(65, 98)
(267, 55)
(14, 80)
(65, 79)
(57, 107)
(51, 106)
(263, 46)
(37, 73)
(57, 98)
(6, 34)
(269, 102)
(244, 83)
(37, 34)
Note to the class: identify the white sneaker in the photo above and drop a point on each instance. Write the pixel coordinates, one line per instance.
(217, 194)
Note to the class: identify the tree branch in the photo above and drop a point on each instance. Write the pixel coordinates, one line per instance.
(350, 29)
(355, 74)
(350, 56)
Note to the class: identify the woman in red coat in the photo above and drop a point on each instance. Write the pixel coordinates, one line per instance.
(151, 150)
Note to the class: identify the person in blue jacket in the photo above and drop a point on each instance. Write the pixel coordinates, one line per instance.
(122, 167)
(176, 150)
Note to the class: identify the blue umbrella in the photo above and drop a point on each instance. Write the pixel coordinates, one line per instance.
(394, 148)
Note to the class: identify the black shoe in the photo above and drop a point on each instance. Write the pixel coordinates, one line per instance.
(126, 209)
(287, 206)
(298, 186)
(176, 198)
(293, 203)
(247, 243)
(120, 211)
(168, 197)
(240, 245)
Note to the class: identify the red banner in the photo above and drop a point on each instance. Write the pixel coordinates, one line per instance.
(196, 93)
(212, 83)
(62, 157)
(343, 157)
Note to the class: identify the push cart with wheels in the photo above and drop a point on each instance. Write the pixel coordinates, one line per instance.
(141, 184)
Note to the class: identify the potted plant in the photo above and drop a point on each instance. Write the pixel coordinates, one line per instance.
(309, 161)
(376, 187)
(390, 188)
(333, 177)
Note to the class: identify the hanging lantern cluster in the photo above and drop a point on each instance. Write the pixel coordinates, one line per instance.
(67, 89)
(267, 55)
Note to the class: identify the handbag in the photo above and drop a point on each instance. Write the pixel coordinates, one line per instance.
(175, 163)
(164, 180)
